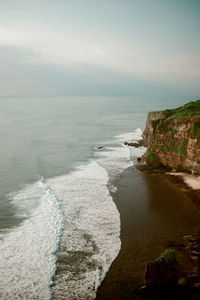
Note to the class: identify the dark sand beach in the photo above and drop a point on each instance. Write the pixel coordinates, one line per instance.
(154, 213)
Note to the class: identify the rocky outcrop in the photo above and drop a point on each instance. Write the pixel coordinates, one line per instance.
(164, 270)
(172, 138)
(137, 144)
(175, 274)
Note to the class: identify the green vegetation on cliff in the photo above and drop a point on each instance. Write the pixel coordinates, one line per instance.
(172, 137)
(190, 109)
(195, 128)
(150, 155)
(167, 256)
(178, 150)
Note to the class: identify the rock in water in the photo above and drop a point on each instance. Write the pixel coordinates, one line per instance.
(137, 144)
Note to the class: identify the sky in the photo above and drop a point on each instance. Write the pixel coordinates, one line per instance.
(100, 47)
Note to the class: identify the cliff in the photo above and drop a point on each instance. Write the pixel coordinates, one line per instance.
(172, 138)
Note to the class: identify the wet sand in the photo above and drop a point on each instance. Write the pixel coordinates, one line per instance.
(154, 212)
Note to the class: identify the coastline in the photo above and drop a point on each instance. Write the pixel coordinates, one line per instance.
(155, 212)
(190, 184)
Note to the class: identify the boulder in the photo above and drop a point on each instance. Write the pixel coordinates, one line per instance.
(164, 270)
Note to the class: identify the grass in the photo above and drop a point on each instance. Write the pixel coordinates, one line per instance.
(164, 126)
(195, 128)
(167, 256)
(190, 109)
(150, 155)
(179, 150)
(160, 125)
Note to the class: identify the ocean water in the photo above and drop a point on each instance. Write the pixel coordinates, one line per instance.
(59, 226)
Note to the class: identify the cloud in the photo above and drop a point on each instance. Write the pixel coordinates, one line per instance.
(132, 40)
(56, 48)
(17, 77)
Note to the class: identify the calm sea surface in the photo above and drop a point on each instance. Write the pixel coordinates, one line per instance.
(56, 212)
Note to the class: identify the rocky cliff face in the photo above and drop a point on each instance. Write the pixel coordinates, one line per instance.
(172, 138)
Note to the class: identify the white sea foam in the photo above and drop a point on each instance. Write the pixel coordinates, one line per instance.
(90, 239)
(117, 158)
(130, 136)
(27, 252)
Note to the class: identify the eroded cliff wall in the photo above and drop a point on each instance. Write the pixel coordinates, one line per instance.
(172, 138)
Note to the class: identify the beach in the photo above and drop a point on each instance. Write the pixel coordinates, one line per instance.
(54, 196)
(64, 196)
(155, 213)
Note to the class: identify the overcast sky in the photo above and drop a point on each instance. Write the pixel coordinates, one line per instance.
(99, 47)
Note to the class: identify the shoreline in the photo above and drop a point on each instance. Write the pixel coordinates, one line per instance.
(188, 183)
(147, 227)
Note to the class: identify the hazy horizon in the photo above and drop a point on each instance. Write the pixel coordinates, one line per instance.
(102, 48)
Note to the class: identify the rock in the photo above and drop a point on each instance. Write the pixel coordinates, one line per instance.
(52, 284)
(139, 159)
(171, 244)
(173, 138)
(182, 281)
(163, 271)
(173, 275)
(134, 144)
(99, 147)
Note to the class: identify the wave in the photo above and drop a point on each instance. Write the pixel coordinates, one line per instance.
(116, 157)
(27, 252)
(91, 240)
(72, 234)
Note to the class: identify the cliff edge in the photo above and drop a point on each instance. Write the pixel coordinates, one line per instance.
(172, 138)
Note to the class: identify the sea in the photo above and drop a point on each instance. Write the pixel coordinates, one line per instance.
(59, 158)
